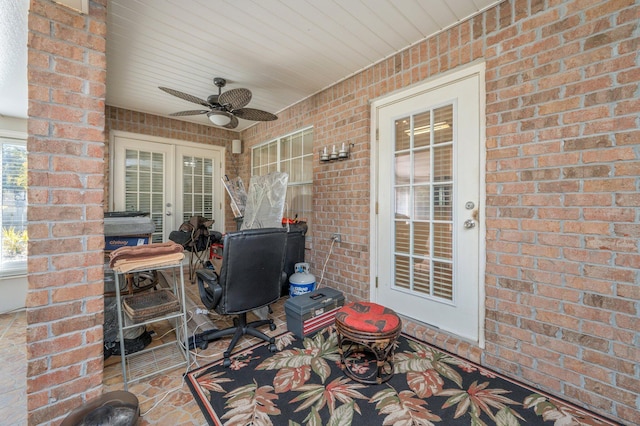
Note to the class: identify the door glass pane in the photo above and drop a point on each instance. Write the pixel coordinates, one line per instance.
(197, 187)
(442, 241)
(421, 202)
(422, 130)
(144, 186)
(402, 202)
(403, 168)
(421, 238)
(423, 195)
(442, 208)
(403, 134)
(442, 163)
(443, 124)
(403, 277)
(421, 276)
(402, 236)
(422, 166)
(443, 280)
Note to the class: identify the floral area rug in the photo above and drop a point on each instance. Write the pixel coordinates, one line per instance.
(302, 384)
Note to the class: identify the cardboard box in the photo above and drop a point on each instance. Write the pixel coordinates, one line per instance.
(112, 243)
(312, 311)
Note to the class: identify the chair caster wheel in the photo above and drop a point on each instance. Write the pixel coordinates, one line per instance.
(226, 363)
(272, 326)
(273, 348)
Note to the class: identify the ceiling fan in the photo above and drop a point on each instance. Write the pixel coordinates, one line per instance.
(224, 108)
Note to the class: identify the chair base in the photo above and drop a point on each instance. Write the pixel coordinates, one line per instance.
(240, 328)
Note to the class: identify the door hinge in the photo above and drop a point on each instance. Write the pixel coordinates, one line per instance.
(377, 135)
(376, 282)
(376, 207)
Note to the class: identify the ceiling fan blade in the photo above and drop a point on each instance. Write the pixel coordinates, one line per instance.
(232, 124)
(191, 112)
(254, 114)
(237, 98)
(185, 96)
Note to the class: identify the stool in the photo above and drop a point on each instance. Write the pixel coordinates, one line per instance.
(367, 334)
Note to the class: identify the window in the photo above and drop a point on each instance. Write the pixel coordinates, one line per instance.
(292, 154)
(13, 216)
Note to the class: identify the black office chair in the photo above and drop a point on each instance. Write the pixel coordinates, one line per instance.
(250, 277)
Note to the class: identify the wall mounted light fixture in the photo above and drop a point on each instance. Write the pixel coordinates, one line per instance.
(236, 146)
(335, 154)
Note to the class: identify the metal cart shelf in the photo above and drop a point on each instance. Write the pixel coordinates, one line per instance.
(168, 356)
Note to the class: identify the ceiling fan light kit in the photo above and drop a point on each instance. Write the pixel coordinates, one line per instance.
(224, 108)
(219, 118)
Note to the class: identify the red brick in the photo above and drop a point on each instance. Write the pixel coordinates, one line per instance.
(564, 321)
(609, 185)
(76, 386)
(598, 387)
(542, 378)
(524, 140)
(69, 294)
(618, 124)
(627, 230)
(586, 228)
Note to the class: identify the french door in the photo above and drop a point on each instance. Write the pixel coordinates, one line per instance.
(428, 247)
(172, 182)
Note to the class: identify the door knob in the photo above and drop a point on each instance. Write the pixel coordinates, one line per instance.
(168, 213)
(469, 223)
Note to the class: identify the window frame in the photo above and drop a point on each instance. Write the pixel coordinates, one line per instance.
(17, 267)
(272, 148)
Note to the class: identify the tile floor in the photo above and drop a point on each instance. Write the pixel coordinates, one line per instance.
(164, 399)
(13, 368)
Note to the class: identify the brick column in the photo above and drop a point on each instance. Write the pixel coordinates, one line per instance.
(67, 75)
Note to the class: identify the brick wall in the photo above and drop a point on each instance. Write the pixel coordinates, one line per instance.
(562, 181)
(66, 72)
(562, 138)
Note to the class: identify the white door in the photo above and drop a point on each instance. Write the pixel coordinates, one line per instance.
(428, 203)
(171, 182)
(198, 175)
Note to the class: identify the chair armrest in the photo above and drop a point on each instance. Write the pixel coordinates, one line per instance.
(208, 287)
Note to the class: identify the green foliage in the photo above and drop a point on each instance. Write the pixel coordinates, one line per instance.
(14, 242)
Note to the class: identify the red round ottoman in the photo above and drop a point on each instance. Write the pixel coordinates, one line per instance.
(367, 333)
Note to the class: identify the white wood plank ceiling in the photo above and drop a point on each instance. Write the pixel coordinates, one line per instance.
(281, 50)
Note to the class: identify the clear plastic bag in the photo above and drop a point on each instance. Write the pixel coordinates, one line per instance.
(266, 200)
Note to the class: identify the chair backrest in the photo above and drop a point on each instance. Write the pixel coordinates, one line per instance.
(251, 272)
(197, 227)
